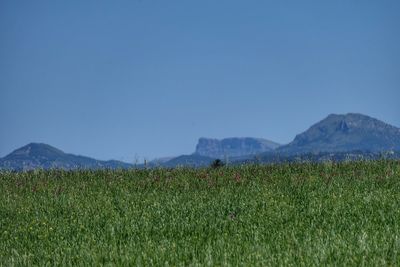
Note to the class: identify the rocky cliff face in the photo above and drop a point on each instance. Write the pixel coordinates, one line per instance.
(233, 147)
(347, 132)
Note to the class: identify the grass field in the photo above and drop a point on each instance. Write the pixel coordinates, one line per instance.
(290, 214)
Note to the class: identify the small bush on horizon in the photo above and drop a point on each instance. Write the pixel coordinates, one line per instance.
(217, 163)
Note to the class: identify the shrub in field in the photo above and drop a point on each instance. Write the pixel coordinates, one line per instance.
(217, 164)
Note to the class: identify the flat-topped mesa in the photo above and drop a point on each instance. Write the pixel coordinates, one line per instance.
(348, 132)
(233, 147)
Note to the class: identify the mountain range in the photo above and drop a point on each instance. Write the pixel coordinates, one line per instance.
(337, 137)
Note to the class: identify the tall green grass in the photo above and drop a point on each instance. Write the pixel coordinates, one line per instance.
(289, 214)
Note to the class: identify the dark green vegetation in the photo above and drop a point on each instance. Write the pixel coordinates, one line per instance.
(291, 214)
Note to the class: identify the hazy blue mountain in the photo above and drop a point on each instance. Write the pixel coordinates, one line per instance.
(35, 155)
(189, 161)
(337, 137)
(160, 161)
(233, 147)
(341, 133)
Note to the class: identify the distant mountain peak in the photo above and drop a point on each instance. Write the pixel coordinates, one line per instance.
(39, 155)
(34, 149)
(351, 131)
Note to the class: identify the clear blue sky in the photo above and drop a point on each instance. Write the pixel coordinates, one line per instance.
(111, 79)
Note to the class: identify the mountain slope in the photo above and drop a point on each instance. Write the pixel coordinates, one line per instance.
(233, 147)
(35, 155)
(349, 132)
(193, 160)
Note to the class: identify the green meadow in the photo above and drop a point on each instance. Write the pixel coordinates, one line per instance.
(300, 214)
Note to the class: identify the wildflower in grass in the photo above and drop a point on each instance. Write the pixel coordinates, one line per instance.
(237, 177)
